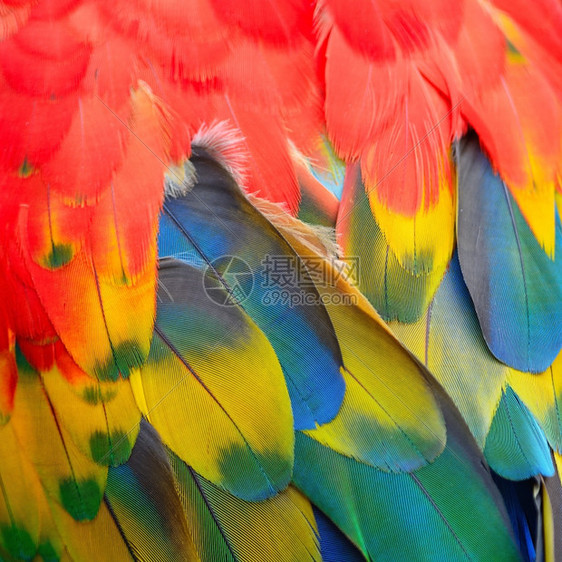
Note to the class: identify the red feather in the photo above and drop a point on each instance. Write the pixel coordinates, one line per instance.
(280, 23)
(407, 161)
(353, 113)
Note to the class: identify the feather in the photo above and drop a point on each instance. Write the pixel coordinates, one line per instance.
(11, 20)
(352, 114)
(515, 286)
(297, 81)
(518, 123)
(533, 39)
(542, 29)
(447, 339)
(68, 476)
(227, 528)
(395, 292)
(516, 447)
(19, 492)
(123, 235)
(8, 369)
(523, 503)
(271, 171)
(379, 29)
(478, 56)
(302, 336)
(317, 205)
(450, 330)
(261, 93)
(44, 58)
(389, 417)
(334, 545)
(409, 178)
(27, 527)
(381, 426)
(98, 100)
(552, 511)
(100, 538)
(326, 167)
(414, 515)
(542, 395)
(281, 24)
(29, 146)
(114, 347)
(182, 46)
(214, 359)
(51, 545)
(364, 29)
(141, 496)
(379, 423)
(91, 151)
(103, 424)
(110, 267)
(400, 127)
(108, 82)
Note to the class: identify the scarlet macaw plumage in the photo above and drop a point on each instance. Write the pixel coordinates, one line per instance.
(280, 280)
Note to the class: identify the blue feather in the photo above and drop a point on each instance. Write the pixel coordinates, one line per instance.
(515, 286)
(334, 545)
(214, 223)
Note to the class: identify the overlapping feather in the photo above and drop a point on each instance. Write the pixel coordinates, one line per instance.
(409, 516)
(516, 447)
(97, 99)
(226, 528)
(448, 340)
(214, 390)
(394, 291)
(312, 372)
(389, 418)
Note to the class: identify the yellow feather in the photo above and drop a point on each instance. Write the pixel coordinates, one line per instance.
(104, 424)
(98, 540)
(389, 416)
(138, 392)
(281, 528)
(221, 406)
(66, 474)
(548, 522)
(542, 394)
(19, 492)
(536, 202)
(264, 525)
(389, 410)
(456, 372)
(424, 242)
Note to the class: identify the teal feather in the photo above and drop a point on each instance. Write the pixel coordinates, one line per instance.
(516, 447)
(335, 546)
(448, 510)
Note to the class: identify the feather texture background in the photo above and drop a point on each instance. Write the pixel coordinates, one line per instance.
(190, 372)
